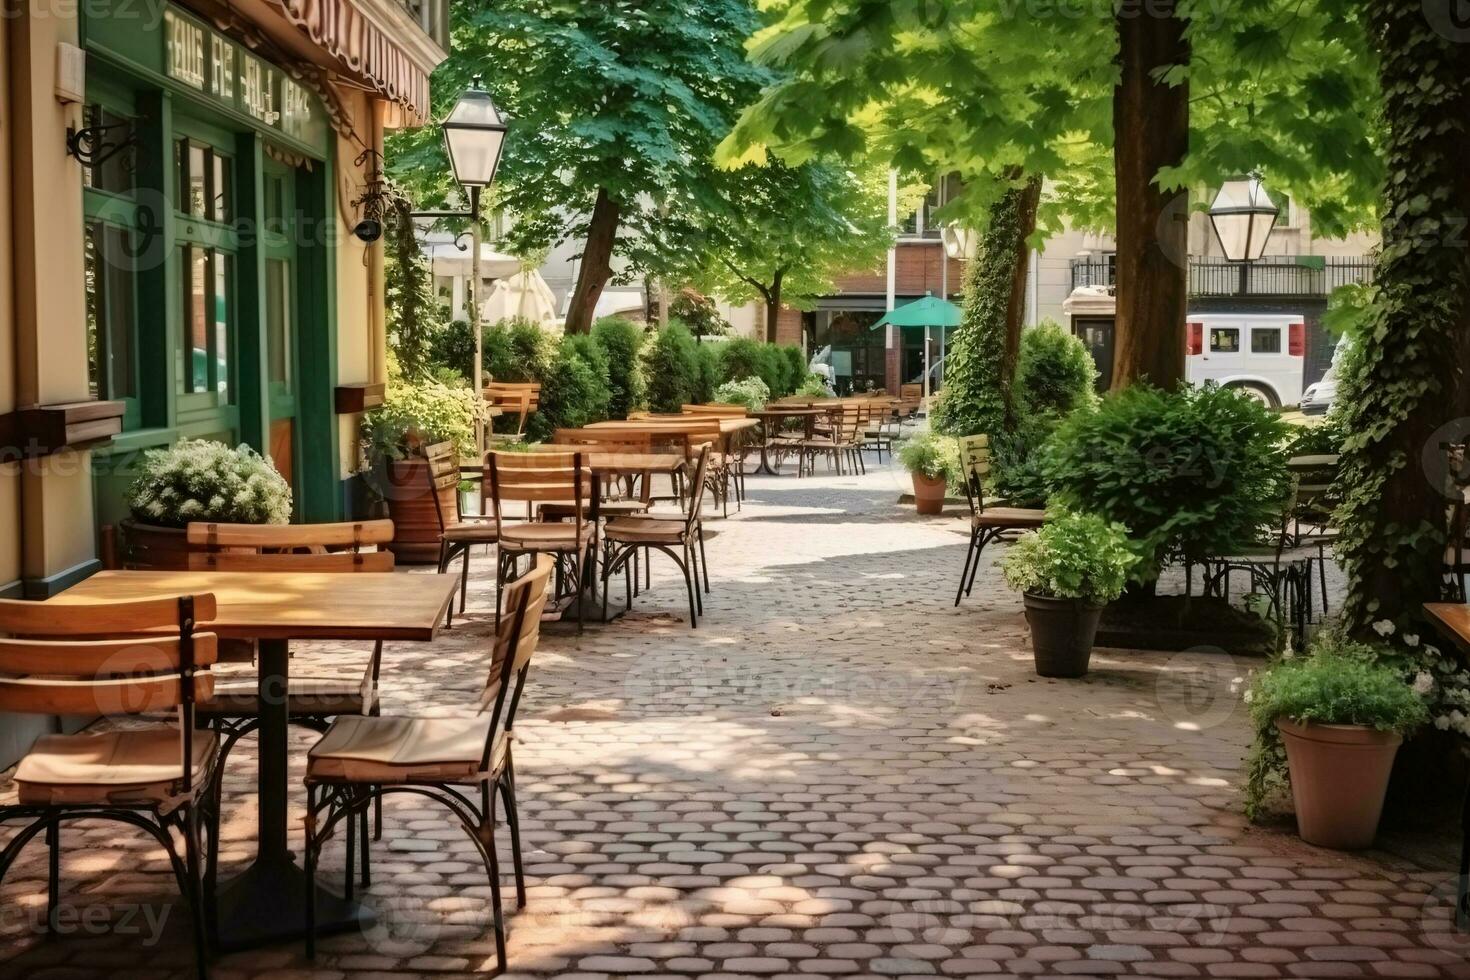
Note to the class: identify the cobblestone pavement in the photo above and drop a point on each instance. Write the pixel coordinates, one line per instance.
(837, 774)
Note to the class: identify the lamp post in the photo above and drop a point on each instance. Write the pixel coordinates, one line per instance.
(474, 134)
(1243, 216)
(959, 243)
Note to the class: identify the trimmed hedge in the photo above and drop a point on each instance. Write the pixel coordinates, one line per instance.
(622, 341)
(672, 364)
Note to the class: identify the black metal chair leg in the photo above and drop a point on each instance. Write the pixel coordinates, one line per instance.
(694, 573)
(444, 557)
(959, 593)
(309, 859)
(53, 877)
(464, 580)
(193, 896)
(1462, 884)
(351, 851)
(703, 561)
(512, 820)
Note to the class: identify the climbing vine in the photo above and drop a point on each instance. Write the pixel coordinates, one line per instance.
(1404, 380)
(980, 364)
(413, 313)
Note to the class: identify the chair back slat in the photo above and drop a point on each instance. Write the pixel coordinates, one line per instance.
(631, 441)
(696, 489)
(343, 534)
(538, 477)
(519, 398)
(718, 410)
(343, 562)
(108, 697)
(515, 641)
(132, 655)
(975, 466)
(19, 617)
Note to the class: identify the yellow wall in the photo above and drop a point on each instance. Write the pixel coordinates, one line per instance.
(48, 304)
(359, 274)
(9, 471)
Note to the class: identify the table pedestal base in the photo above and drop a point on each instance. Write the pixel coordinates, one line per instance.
(266, 904)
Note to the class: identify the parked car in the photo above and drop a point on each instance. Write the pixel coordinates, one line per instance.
(1319, 396)
(1262, 354)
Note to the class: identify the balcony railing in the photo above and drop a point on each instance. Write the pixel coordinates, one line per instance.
(432, 16)
(1269, 277)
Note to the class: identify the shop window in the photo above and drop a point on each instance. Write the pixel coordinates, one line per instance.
(204, 354)
(205, 186)
(278, 320)
(111, 315)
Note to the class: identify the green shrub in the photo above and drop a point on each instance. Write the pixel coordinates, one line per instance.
(1054, 372)
(622, 341)
(709, 372)
(1336, 687)
(933, 455)
(813, 386)
(1074, 556)
(672, 365)
(751, 393)
(796, 369)
(1018, 461)
(202, 480)
(453, 347)
(420, 413)
(1190, 474)
(1324, 438)
(740, 357)
(518, 349)
(575, 391)
(776, 370)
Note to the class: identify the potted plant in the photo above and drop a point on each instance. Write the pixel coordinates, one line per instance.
(1342, 717)
(198, 480)
(1066, 572)
(749, 393)
(416, 414)
(931, 460)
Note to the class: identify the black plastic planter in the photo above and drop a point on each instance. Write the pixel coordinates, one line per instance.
(1062, 631)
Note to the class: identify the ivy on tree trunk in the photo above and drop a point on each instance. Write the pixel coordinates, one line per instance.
(1405, 383)
(1151, 131)
(602, 234)
(980, 362)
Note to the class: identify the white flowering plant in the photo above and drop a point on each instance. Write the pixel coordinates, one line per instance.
(751, 393)
(202, 480)
(1375, 679)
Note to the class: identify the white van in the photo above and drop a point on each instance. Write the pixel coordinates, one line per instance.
(1262, 354)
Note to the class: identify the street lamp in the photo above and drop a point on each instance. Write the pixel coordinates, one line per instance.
(959, 243)
(1243, 215)
(474, 134)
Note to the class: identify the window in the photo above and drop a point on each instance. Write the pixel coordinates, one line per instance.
(1266, 340)
(204, 354)
(205, 187)
(110, 312)
(115, 174)
(1225, 340)
(922, 223)
(278, 320)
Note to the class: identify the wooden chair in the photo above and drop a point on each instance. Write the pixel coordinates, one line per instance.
(517, 398)
(1278, 567)
(233, 710)
(141, 657)
(718, 410)
(624, 538)
(458, 531)
(456, 762)
(536, 479)
(881, 431)
(910, 398)
(625, 493)
(987, 523)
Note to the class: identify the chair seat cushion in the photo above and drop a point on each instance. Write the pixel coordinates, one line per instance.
(475, 531)
(534, 536)
(648, 530)
(308, 697)
(1010, 517)
(123, 767)
(392, 750)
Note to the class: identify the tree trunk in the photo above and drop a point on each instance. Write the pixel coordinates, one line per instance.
(1151, 130)
(602, 233)
(773, 305)
(980, 364)
(1404, 391)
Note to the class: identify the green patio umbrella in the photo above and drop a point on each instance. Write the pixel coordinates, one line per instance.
(931, 311)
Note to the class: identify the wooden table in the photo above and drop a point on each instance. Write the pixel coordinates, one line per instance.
(1325, 461)
(727, 426)
(1453, 620)
(266, 903)
(778, 414)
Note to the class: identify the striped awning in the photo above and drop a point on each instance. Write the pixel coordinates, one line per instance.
(365, 50)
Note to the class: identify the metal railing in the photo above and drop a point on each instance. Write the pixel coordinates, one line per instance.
(1272, 276)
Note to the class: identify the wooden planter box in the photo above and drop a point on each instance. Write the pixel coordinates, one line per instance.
(415, 520)
(150, 546)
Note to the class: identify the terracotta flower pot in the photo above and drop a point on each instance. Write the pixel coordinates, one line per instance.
(152, 546)
(1062, 631)
(929, 493)
(1339, 777)
(410, 505)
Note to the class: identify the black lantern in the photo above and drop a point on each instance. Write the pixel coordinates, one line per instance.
(474, 134)
(1243, 215)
